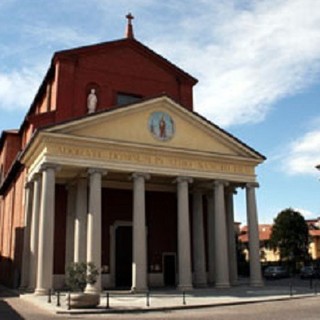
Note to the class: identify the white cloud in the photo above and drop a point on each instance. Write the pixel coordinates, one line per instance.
(274, 212)
(250, 58)
(303, 154)
(307, 214)
(62, 36)
(18, 88)
(246, 54)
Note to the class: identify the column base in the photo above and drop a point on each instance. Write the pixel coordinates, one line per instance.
(256, 283)
(41, 292)
(201, 285)
(185, 287)
(222, 285)
(26, 290)
(139, 290)
(234, 283)
(23, 288)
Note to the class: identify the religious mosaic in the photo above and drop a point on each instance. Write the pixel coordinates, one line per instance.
(161, 125)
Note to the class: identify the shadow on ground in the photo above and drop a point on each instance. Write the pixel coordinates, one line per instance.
(7, 313)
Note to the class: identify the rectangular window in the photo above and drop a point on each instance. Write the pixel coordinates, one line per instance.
(125, 98)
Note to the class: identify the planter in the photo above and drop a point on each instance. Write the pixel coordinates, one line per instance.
(83, 300)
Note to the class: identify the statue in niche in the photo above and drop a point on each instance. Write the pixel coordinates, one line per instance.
(92, 101)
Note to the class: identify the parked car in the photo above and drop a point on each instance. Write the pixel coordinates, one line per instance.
(275, 272)
(309, 272)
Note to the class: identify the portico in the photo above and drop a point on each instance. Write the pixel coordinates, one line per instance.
(112, 172)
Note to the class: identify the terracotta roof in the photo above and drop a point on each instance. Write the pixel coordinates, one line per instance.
(264, 233)
(314, 233)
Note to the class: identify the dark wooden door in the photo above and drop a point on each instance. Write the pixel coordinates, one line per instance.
(169, 266)
(124, 257)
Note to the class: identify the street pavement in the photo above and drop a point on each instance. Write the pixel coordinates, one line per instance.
(124, 305)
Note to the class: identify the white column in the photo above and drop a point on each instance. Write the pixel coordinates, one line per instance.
(221, 250)
(71, 208)
(184, 252)
(94, 226)
(34, 235)
(199, 257)
(25, 268)
(211, 238)
(254, 248)
(139, 263)
(232, 252)
(46, 231)
(80, 222)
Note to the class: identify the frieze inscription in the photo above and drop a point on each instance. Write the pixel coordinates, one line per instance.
(151, 159)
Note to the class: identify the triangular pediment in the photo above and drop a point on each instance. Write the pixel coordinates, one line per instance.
(157, 123)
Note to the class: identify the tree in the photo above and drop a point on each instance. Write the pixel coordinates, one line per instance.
(290, 236)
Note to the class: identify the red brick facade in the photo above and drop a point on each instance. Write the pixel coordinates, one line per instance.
(125, 66)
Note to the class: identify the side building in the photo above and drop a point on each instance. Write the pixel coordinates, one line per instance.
(267, 254)
(112, 165)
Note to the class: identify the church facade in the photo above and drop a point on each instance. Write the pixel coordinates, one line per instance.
(111, 165)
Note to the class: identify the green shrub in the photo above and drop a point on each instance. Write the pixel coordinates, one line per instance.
(79, 274)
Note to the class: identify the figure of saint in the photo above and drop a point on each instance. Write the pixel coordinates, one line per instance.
(92, 101)
(162, 128)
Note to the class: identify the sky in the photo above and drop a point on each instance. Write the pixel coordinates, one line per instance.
(257, 62)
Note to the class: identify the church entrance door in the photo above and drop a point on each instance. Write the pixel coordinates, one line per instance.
(124, 257)
(169, 269)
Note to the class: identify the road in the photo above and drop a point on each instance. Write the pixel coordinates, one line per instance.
(13, 308)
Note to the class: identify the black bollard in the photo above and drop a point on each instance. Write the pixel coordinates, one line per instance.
(69, 301)
(291, 291)
(310, 283)
(58, 299)
(315, 288)
(49, 296)
(107, 300)
(148, 299)
(183, 298)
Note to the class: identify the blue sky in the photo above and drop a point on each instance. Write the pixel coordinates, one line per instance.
(257, 62)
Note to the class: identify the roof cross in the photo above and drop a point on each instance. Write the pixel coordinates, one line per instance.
(130, 17)
(129, 30)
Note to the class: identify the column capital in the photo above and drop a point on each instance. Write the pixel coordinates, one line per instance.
(136, 175)
(183, 179)
(196, 190)
(232, 189)
(209, 195)
(252, 185)
(220, 182)
(47, 165)
(35, 176)
(28, 185)
(103, 172)
(70, 185)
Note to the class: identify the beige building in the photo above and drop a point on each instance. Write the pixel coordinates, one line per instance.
(269, 255)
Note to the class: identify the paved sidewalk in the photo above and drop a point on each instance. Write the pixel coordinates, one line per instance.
(162, 300)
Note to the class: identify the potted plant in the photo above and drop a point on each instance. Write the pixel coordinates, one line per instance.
(78, 275)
